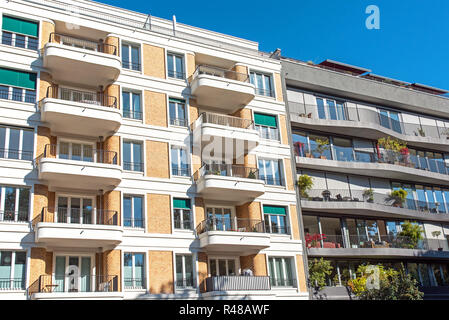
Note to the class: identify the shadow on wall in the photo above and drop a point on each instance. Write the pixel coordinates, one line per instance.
(332, 293)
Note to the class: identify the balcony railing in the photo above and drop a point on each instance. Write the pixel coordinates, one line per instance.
(13, 216)
(133, 223)
(224, 120)
(134, 283)
(16, 154)
(178, 122)
(88, 283)
(220, 72)
(78, 216)
(77, 154)
(346, 195)
(227, 170)
(378, 241)
(185, 225)
(184, 283)
(133, 166)
(231, 225)
(282, 282)
(181, 171)
(137, 115)
(83, 43)
(276, 229)
(22, 95)
(237, 283)
(19, 40)
(12, 284)
(93, 98)
(350, 113)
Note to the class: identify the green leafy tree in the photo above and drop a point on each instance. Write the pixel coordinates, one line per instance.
(319, 270)
(305, 183)
(412, 232)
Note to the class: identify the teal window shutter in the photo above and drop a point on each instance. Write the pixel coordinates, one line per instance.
(176, 100)
(20, 26)
(181, 203)
(265, 120)
(274, 210)
(16, 78)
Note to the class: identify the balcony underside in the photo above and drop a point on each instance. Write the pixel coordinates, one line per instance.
(370, 210)
(221, 93)
(80, 118)
(377, 253)
(72, 234)
(242, 243)
(367, 130)
(233, 189)
(380, 170)
(69, 64)
(60, 173)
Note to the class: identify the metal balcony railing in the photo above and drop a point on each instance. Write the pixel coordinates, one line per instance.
(130, 114)
(133, 166)
(134, 283)
(83, 43)
(231, 225)
(282, 282)
(183, 171)
(224, 120)
(184, 283)
(425, 127)
(27, 96)
(19, 40)
(12, 284)
(87, 283)
(227, 170)
(16, 154)
(13, 216)
(384, 199)
(78, 216)
(185, 225)
(92, 98)
(237, 283)
(79, 153)
(220, 73)
(133, 223)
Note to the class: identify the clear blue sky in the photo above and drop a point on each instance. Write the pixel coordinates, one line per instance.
(411, 45)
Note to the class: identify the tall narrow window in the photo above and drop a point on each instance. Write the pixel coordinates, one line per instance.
(331, 109)
(390, 120)
(133, 211)
(177, 110)
(131, 57)
(12, 270)
(263, 83)
(131, 105)
(275, 219)
(270, 171)
(134, 270)
(20, 33)
(184, 271)
(182, 213)
(179, 162)
(14, 204)
(267, 126)
(281, 273)
(175, 65)
(132, 156)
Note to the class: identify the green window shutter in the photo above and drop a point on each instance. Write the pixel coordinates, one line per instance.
(265, 120)
(18, 78)
(176, 100)
(181, 203)
(20, 26)
(274, 210)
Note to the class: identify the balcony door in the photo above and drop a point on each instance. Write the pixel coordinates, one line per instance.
(223, 267)
(220, 219)
(73, 273)
(76, 151)
(75, 210)
(78, 96)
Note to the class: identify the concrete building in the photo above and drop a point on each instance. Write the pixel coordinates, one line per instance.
(341, 116)
(111, 187)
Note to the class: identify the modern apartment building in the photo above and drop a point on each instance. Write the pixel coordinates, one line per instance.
(141, 158)
(341, 118)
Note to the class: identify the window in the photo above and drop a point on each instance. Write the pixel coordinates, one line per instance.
(390, 120)
(184, 271)
(133, 211)
(132, 156)
(14, 203)
(76, 151)
(131, 105)
(343, 150)
(220, 219)
(131, 57)
(76, 210)
(12, 270)
(134, 270)
(222, 267)
(270, 171)
(179, 163)
(275, 219)
(320, 146)
(262, 82)
(281, 274)
(177, 110)
(16, 143)
(175, 65)
(182, 214)
(331, 109)
(267, 126)
(17, 85)
(82, 281)
(20, 33)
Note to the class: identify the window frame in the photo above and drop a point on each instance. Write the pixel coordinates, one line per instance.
(12, 276)
(176, 72)
(271, 92)
(183, 271)
(142, 213)
(132, 93)
(284, 271)
(281, 173)
(130, 63)
(132, 162)
(17, 191)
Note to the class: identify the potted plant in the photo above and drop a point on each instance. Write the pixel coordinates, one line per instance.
(421, 132)
(314, 241)
(393, 147)
(412, 234)
(369, 195)
(322, 146)
(305, 184)
(398, 197)
(252, 174)
(436, 234)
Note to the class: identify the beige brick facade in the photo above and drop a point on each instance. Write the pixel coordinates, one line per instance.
(112, 144)
(156, 109)
(47, 29)
(283, 129)
(202, 271)
(249, 210)
(288, 173)
(256, 262)
(294, 220)
(301, 274)
(153, 61)
(157, 159)
(190, 65)
(160, 272)
(41, 263)
(158, 213)
(278, 87)
(111, 265)
(113, 91)
(113, 45)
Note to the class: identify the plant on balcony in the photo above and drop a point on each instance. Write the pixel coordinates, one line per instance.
(384, 284)
(436, 234)
(369, 195)
(252, 174)
(313, 240)
(421, 132)
(393, 147)
(398, 197)
(413, 233)
(322, 146)
(305, 184)
(319, 270)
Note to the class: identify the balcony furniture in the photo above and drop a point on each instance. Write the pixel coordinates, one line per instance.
(331, 245)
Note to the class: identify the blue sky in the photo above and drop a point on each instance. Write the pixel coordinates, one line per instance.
(411, 45)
